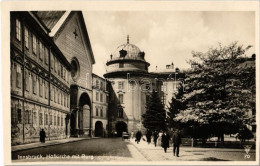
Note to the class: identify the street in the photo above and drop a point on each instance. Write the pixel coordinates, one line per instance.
(114, 149)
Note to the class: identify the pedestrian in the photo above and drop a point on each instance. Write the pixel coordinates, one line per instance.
(42, 136)
(148, 136)
(159, 140)
(138, 136)
(176, 143)
(132, 134)
(155, 137)
(165, 141)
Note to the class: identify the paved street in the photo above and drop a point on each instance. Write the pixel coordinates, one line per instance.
(114, 149)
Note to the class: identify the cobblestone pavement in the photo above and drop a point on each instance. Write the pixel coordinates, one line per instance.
(153, 153)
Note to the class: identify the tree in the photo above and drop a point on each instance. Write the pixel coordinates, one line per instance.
(220, 91)
(174, 107)
(154, 117)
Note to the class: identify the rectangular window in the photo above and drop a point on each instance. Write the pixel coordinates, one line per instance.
(65, 74)
(58, 65)
(97, 96)
(52, 93)
(46, 56)
(55, 64)
(40, 118)
(55, 93)
(96, 111)
(40, 50)
(68, 102)
(50, 119)
(18, 30)
(121, 65)
(29, 113)
(46, 119)
(55, 120)
(101, 112)
(52, 61)
(34, 83)
(46, 89)
(40, 86)
(121, 98)
(101, 97)
(101, 85)
(34, 43)
(61, 120)
(61, 72)
(18, 76)
(26, 37)
(19, 115)
(61, 98)
(97, 84)
(27, 80)
(34, 118)
(120, 85)
(65, 100)
(58, 121)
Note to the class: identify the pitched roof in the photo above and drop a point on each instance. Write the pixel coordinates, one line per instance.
(49, 18)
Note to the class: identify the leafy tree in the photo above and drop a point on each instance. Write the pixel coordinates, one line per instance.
(220, 91)
(154, 117)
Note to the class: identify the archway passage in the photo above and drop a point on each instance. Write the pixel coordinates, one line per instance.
(98, 129)
(121, 127)
(84, 116)
(73, 124)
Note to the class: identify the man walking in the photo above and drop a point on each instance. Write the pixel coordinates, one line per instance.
(138, 136)
(165, 141)
(176, 143)
(42, 136)
(155, 137)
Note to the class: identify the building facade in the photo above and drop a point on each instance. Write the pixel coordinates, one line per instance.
(40, 92)
(100, 106)
(130, 87)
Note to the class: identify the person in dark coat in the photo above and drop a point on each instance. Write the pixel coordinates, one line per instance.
(176, 143)
(148, 136)
(138, 136)
(165, 141)
(42, 136)
(155, 137)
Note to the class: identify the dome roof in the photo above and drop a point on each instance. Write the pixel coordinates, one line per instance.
(128, 51)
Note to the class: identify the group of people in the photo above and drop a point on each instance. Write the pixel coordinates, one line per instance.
(162, 139)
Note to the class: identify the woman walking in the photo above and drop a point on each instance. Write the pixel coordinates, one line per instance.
(165, 141)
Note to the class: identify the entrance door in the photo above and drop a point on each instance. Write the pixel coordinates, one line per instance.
(121, 127)
(99, 129)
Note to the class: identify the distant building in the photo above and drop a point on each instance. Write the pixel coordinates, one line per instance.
(131, 85)
(100, 106)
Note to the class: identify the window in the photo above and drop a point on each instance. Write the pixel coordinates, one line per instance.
(40, 86)
(55, 120)
(52, 61)
(34, 118)
(54, 93)
(18, 76)
(46, 56)
(121, 98)
(61, 120)
(46, 119)
(68, 102)
(27, 117)
(26, 80)
(34, 43)
(101, 112)
(121, 65)
(34, 83)
(19, 115)
(97, 95)
(46, 89)
(58, 121)
(58, 96)
(101, 97)
(96, 111)
(40, 118)
(50, 119)
(55, 65)
(61, 98)
(97, 84)
(120, 85)
(61, 72)
(58, 65)
(120, 113)
(41, 52)
(65, 74)
(101, 85)
(26, 37)
(65, 100)
(18, 30)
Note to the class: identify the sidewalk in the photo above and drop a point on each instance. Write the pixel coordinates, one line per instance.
(47, 143)
(152, 153)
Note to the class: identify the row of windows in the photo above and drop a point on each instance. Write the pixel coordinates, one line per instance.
(101, 112)
(60, 97)
(42, 51)
(38, 48)
(30, 117)
(100, 97)
(58, 68)
(101, 86)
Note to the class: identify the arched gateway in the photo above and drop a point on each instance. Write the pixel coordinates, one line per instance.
(121, 127)
(80, 119)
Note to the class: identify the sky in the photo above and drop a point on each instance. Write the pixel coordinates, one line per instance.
(166, 36)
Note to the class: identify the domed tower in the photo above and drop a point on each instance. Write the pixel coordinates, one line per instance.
(127, 71)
